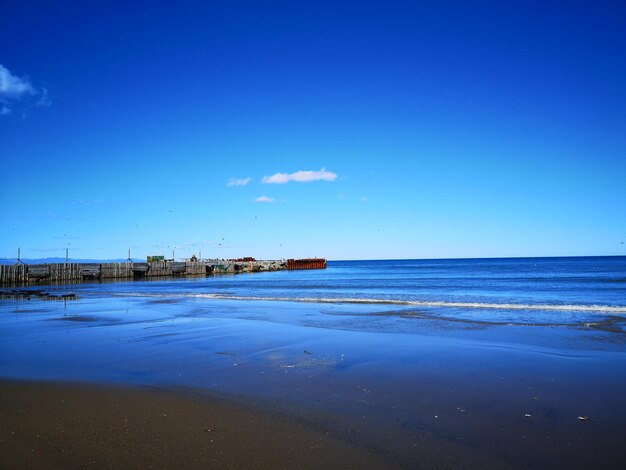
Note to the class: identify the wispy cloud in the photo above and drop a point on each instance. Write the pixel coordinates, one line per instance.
(264, 199)
(237, 182)
(44, 99)
(20, 92)
(300, 177)
(82, 202)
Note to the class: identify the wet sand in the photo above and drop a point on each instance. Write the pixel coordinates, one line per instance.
(56, 425)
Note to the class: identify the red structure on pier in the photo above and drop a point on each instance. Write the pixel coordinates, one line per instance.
(308, 263)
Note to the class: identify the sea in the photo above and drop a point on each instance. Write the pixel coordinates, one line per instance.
(457, 363)
(503, 290)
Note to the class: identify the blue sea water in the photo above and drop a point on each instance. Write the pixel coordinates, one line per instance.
(518, 290)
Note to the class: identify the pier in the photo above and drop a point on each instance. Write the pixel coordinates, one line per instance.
(61, 273)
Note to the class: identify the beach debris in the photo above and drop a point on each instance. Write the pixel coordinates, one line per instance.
(583, 418)
(527, 415)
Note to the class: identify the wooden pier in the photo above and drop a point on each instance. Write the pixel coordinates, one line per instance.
(62, 273)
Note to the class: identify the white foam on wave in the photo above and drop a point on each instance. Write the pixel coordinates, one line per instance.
(430, 303)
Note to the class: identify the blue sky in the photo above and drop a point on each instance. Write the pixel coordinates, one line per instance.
(349, 130)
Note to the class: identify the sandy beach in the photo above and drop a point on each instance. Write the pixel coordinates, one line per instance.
(61, 425)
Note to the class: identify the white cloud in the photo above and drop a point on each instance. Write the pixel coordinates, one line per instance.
(264, 199)
(237, 182)
(20, 94)
(300, 177)
(12, 87)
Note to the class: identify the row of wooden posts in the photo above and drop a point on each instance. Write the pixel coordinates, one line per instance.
(59, 273)
(63, 272)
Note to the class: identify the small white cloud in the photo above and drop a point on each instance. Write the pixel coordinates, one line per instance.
(300, 177)
(237, 182)
(12, 87)
(264, 199)
(5, 111)
(364, 199)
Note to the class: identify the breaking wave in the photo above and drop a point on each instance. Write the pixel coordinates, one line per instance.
(617, 309)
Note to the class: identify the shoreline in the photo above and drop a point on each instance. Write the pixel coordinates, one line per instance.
(61, 424)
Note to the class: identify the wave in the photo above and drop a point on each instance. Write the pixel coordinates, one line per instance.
(617, 309)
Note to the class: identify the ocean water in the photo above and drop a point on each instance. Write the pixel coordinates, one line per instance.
(475, 363)
(512, 290)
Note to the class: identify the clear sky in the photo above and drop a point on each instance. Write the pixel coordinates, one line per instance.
(348, 130)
